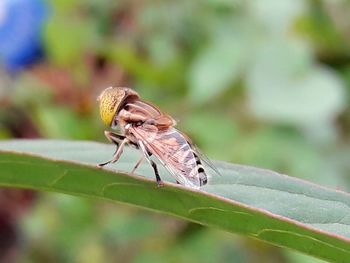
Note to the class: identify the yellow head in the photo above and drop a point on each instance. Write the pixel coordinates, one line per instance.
(111, 100)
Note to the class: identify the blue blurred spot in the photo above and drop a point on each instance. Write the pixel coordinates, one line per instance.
(21, 23)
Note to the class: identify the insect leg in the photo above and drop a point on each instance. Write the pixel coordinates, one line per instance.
(114, 137)
(138, 164)
(158, 179)
(117, 138)
(117, 153)
(152, 163)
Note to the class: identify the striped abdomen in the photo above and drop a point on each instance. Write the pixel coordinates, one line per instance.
(174, 152)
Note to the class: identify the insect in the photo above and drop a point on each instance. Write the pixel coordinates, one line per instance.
(145, 127)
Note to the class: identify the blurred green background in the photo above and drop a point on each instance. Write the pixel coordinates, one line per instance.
(263, 83)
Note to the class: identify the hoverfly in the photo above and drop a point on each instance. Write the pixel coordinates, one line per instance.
(145, 127)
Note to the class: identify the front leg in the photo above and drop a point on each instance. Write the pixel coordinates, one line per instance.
(119, 140)
(117, 154)
(116, 139)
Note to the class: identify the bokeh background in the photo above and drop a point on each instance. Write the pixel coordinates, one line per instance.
(260, 82)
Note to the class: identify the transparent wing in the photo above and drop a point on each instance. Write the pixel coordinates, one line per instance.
(174, 152)
(205, 159)
(202, 156)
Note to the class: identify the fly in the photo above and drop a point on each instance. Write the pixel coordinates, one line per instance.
(146, 128)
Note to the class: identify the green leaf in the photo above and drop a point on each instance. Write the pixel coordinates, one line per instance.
(220, 64)
(67, 38)
(262, 204)
(281, 17)
(285, 86)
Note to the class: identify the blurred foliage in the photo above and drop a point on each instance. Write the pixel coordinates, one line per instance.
(263, 83)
